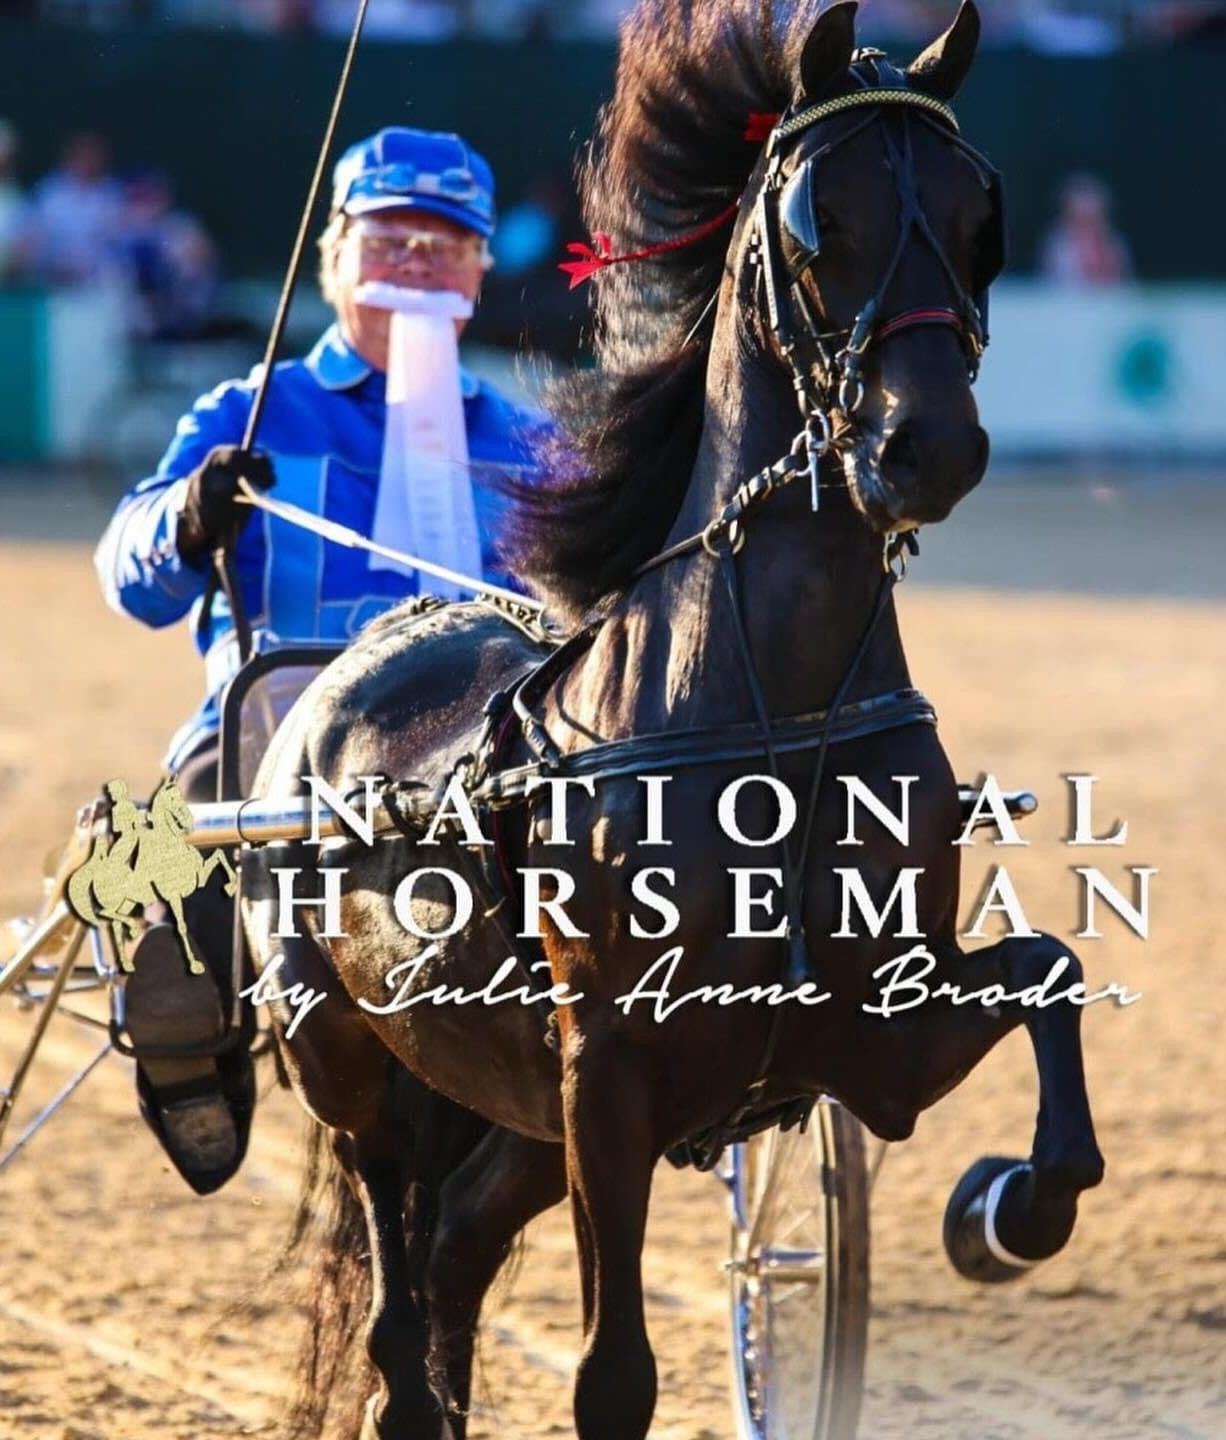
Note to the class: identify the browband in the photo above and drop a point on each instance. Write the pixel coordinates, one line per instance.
(883, 96)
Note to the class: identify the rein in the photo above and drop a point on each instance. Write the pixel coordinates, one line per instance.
(354, 540)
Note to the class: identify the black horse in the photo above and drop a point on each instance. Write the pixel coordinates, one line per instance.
(784, 393)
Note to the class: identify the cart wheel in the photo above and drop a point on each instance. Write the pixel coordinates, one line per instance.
(799, 1275)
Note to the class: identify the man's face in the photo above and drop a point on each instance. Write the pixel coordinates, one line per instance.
(413, 248)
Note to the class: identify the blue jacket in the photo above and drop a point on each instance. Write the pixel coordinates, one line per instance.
(323, 429)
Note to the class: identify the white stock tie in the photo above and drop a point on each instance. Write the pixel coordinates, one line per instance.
(425, 503)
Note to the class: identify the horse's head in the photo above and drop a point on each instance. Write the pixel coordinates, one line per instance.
(854, 248)
(879, 230)
(168, 807)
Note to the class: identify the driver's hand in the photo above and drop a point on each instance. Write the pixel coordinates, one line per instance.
(212, 515)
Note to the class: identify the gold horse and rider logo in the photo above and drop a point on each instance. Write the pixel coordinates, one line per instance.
(145, 858)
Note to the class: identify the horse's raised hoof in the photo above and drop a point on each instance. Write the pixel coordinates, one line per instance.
(972, 1239)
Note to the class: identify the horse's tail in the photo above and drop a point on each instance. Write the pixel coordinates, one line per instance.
(329, 1240)
(80, 884)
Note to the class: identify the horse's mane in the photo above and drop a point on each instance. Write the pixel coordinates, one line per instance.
(670, 153)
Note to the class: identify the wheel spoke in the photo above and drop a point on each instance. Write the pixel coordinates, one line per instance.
(798, 1282)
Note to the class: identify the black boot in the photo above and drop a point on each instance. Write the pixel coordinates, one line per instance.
(199, 1106)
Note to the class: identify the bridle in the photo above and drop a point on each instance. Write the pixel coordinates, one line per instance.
(827, 365)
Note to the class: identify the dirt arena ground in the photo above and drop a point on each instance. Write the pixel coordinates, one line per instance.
(1060, 624)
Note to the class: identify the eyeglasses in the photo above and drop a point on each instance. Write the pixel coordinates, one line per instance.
(392, 248)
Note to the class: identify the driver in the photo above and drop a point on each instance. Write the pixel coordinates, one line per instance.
(412, 210)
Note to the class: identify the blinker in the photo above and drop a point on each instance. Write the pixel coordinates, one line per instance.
(798, 217)
(994, 253)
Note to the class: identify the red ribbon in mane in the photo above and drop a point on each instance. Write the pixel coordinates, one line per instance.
(602, 255)
(599, 254)
(760, 124)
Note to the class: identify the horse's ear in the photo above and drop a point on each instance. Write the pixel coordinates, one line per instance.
(827, 52)
(941, 69)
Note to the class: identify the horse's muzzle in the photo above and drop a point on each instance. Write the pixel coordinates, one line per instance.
(920, 470)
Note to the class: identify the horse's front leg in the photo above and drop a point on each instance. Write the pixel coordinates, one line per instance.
(397, 1333)
(1006, 1215)
(610, 1155)
(216, 859)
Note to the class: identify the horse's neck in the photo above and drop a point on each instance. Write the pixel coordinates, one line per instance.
(807, 582)
(669, 656)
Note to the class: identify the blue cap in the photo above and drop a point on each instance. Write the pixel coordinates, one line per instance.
(400, 169)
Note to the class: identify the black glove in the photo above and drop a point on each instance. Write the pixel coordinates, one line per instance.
(211, 514)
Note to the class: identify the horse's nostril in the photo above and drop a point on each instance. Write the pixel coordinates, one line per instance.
(925, 453)
(900, 458)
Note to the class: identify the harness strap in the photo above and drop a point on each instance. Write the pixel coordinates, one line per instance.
(793, 886)
(884, 590)
(711, 745)
(796, 968)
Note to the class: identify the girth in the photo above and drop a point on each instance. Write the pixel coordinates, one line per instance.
(708, 745)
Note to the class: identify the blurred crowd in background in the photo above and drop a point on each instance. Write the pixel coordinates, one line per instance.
(1058, 26)
(128, 256)
(83, 225)
(86, 225)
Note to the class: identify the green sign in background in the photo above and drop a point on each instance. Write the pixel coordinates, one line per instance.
(24, 421)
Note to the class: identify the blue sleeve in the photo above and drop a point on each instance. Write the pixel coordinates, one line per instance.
(141, 571)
